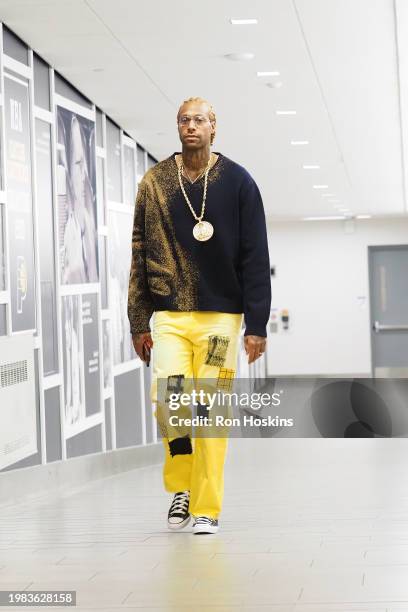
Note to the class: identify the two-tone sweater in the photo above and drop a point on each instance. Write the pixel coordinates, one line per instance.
(172, 270)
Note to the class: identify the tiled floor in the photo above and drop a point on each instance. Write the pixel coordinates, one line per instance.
(308, 525)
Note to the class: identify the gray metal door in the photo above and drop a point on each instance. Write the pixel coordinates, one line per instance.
(388, 269)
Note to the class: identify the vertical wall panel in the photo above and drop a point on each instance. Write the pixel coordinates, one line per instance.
(19, 203)
(99, 128)
(46, 246)
(85, 443)
(3, 320)
(128, 409)
(42, 97)
(65, 89)
(90, 316)
(2, 251)
(14, 47)
(53, 424)
(113, 161)
(108, 424)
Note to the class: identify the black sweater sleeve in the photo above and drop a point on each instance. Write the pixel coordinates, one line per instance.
(140, 305)
(254, 259)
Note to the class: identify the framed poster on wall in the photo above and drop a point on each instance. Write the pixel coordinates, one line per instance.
(76, 189)
(72, 356)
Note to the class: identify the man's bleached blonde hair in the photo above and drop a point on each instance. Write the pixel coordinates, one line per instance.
(211, 112)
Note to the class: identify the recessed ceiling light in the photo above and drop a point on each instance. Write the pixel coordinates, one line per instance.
(310, 167)
(320, 186)
(364, 217)
(331, 218)
(262, 73)
(243, 21)
(285, 112)
(296, 143)
(239, 57)
(274, 84)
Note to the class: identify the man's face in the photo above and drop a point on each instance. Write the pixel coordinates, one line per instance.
(194, 125)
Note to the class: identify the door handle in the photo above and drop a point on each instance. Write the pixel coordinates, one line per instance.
(377, 327)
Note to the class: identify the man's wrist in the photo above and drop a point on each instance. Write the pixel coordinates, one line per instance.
(138, 333)
(260, 332)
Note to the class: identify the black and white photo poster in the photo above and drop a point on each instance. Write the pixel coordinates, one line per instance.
(72, 355)
(76, 188)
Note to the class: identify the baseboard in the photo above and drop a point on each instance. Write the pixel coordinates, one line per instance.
(345, 375)
(52, 479)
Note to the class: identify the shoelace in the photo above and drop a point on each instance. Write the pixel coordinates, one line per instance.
(204, 520)
(179, 503)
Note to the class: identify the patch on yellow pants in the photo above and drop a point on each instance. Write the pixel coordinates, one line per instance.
(225, 379)
(180, 446)
(175, 384)
(217, 350)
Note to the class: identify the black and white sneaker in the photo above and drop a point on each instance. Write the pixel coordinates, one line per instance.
(179, 516)
(205, 524)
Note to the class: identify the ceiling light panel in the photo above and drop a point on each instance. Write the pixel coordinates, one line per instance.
(268, 73)
(251, 21)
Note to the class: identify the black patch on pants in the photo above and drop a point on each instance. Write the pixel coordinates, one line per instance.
(217, 350)
(202, 410)
(181, 446)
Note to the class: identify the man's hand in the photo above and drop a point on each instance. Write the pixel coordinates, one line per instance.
(139, 340)
(254, 347)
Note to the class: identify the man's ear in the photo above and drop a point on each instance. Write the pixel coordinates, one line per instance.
(213, 129)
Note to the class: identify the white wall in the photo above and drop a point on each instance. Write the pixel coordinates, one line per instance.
(321, 272)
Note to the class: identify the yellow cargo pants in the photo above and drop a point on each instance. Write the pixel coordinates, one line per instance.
(187, 346)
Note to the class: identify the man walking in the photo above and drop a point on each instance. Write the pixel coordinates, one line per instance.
(200, 263)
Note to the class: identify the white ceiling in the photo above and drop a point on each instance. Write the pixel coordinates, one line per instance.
(339, 64)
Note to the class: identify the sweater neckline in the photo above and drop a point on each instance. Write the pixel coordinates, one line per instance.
(213, 166)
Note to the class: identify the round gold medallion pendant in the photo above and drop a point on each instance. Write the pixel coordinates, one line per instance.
(203, 230)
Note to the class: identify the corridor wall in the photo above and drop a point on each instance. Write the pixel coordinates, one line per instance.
(68, 182)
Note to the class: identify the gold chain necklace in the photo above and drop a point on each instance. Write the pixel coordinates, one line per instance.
(202, 230)
(188, 176)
